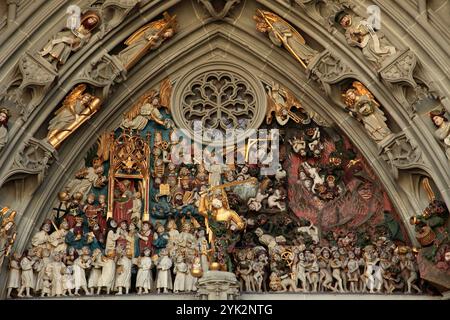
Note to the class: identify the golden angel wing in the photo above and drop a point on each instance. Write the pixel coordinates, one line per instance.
(165, 93)
(362, 90)
(72, 97)
(157, 25)
(136, 109)
(271, 107)
(103, 145)
(274, 19)
(291, 99)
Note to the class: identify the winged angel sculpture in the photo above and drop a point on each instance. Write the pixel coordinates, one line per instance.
(147, 108)
(281, 101)
(282, 34)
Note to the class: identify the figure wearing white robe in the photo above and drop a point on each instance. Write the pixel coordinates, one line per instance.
(108, 273)
(14, 275)
(26, 264)
(137, 209)
(96, 273)
(180, 270)
(83, 185)
(57, 241)
(55, 270)
(111, 239)
(164, 277)
(189, 284)
(144, 276)
(443, 134)
(123, 276)
(41, 270)
(79, 274)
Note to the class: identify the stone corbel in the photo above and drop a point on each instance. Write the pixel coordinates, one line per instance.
(401, 153)
(33, 158)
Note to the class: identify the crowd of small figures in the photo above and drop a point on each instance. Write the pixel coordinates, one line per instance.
(380, 267)
(171, 261)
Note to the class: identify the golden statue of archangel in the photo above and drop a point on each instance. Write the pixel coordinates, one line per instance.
(77, 108)
(147, 38)
(281, 33)
(221, 222)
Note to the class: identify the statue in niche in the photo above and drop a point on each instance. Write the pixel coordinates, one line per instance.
(362, 105)
(64, 43)
(77, 108)
(360, 33)
(442, 132)
(4, 117)
(149, 37)
(147, 108)
(281, 33)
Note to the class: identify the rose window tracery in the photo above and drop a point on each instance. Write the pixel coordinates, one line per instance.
(220, 98)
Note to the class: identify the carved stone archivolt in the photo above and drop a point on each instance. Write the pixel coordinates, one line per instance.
(219, 97)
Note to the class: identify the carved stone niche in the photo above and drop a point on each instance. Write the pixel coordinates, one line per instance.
(104, 72)
(401, 153)
(114, 12)
(219, 9)
(30, 82)
(34, 158)
(400, 70)
(218, 285)
(327, 69)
